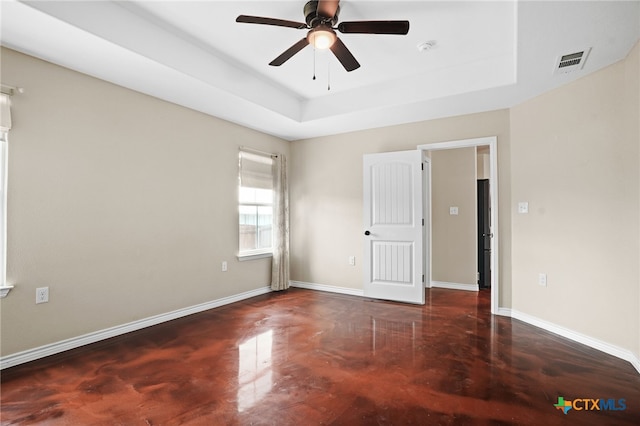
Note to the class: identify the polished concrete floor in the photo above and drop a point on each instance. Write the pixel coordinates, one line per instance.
(311, 358)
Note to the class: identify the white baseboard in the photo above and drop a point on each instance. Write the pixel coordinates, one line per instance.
(605, 347)
(76, 342)
(454, 286)
(329, 288)
(504, 312)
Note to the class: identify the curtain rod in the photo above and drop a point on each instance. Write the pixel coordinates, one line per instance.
(10, 90)
(257, 151)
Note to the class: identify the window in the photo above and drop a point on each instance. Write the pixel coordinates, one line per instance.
(255, 205)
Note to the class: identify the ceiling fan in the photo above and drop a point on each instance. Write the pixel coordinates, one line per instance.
(321, 18)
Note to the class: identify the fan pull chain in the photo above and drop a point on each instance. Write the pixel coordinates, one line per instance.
(314, 56)
(328, 75)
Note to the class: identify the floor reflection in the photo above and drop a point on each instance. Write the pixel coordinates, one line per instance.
(396, 335)
(255, 376)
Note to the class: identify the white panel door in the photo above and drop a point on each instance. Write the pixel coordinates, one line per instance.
(393, 220)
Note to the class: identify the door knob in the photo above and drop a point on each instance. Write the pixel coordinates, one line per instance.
(367, 233)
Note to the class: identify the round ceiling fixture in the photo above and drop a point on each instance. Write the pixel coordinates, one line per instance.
(426, 45)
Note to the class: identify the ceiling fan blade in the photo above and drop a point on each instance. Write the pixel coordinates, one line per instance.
(343, 54)
(327, 8)
(374, 27)
(287, 54)
(270, 21)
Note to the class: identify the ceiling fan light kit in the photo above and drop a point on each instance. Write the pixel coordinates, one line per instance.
(321, 37)
(321, 18)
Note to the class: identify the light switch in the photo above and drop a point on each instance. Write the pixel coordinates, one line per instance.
(523, 207)
(453, 210)
(542, 279)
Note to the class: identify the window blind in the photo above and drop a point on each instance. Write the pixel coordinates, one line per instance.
(256, 170)
(5, 115)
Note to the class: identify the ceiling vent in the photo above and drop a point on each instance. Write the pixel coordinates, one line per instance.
(571, 62)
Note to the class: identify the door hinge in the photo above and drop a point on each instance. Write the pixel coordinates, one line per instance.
(422, 222)
(422, 277)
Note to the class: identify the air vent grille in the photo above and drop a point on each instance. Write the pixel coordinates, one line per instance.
(571, 62)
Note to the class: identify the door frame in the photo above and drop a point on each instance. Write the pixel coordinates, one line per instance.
(492, 142)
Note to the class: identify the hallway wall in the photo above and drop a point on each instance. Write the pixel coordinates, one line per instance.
(454, 237)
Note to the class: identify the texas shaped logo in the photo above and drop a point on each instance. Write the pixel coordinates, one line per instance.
(563, 405)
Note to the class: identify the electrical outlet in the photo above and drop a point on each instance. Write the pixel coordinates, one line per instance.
(523, 207)
(224, 266)
(352, 260)
(42, 295)
(542, 279)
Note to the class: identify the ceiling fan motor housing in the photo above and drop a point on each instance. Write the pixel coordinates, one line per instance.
(312, 18)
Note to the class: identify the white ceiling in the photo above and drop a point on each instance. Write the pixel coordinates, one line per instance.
(488, 55)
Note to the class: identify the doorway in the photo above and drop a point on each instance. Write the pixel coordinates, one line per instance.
(483, 213)
(491, 142)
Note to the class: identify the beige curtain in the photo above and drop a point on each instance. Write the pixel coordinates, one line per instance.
(280, 259)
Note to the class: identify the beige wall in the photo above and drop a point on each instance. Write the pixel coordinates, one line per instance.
(483, 163)
(632, 119)
(326, 194)
(575, 159)
(454, 237)
(632, 126)
(125, 205)
(122, 204)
